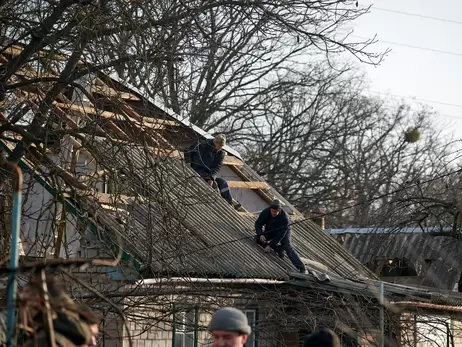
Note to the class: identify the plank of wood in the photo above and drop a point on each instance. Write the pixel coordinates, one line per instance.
(13, 102)
(89, 110)
(148, 122)
(110, 199)
(36, 74)
(248, 214)
(248, 185)
(108, 91)
(261, 193)
(232, 161)
(228, 160)
(151, 120)
(15, 50)
(94, 176)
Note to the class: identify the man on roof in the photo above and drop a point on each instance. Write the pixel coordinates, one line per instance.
(276, 236)
(206, 158)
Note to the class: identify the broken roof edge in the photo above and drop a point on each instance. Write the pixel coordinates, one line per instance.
(369, 288)
(186, 280)
(159, 104)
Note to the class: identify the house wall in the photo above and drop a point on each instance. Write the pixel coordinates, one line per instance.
(430, 331)
(42, 217)
(251, 201)
(150, 320)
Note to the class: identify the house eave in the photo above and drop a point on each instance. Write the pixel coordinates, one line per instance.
(186, 280)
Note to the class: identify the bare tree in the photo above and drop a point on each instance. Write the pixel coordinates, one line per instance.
(328, 147)
(217, 64)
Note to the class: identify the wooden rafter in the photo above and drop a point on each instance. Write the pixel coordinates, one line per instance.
(35, 74)
(261, 193)
(86, 110)
(228, 160)
(96, 175)
(110, 199)
(13, 102)
(15, 50)
(109, 92)
(248, 185)
(247, 214)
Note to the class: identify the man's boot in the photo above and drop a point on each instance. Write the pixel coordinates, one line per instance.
(235, 204)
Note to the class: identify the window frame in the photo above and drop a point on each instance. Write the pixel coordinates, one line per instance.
(253, 337)
(183, 328)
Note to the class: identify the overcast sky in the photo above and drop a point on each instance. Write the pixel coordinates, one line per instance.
(430, 70)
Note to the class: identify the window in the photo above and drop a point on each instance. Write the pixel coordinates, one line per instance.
(118, 185)
(398, 267)
(185, 328)
(252, 318)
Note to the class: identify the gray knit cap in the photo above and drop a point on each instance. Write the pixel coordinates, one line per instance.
(230, 319)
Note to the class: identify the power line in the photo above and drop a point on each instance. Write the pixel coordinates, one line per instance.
(412, 46)
(417, 15)
(420, 99)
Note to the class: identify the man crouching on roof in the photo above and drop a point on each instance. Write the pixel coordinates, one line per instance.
(206, 158)
(277, 229)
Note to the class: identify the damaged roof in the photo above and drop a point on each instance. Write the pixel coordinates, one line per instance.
(185, 227)
(175, 223)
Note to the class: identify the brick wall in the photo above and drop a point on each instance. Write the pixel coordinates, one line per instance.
(151, 325)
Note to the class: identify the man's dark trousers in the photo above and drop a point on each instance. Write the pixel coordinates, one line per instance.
(224, 189)
(222, 186)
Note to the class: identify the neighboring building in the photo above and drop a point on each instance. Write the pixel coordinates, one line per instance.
(428, 259)
(116, 188)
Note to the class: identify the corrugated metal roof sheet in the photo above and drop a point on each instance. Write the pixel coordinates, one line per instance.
(392, 291)
(415, 229)
(188, 229)
(442, 254)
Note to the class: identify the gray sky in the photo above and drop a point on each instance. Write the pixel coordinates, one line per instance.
(432, 72)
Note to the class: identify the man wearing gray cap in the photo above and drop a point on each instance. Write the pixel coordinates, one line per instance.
(229, 328)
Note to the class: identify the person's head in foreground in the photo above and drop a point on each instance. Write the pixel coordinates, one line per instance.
(322, 338)
(90, 318)
(229, 328)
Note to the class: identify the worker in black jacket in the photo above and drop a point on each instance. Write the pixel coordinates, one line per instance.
(206, 158)
(277, 230)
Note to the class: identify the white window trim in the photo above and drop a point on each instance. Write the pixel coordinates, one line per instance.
(182, 331)
(253, 324)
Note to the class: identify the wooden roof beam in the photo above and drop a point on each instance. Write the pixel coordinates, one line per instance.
(248, 185)
(261, 193)
(111, 199)
(228, 160)
(110, 92)
(147, 122)
(15, 50)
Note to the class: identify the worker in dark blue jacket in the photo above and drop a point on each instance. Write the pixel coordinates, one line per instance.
(277, 230)
(206, 158)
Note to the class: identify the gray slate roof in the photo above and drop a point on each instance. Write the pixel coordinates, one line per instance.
(187, 228)
(444, 254)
